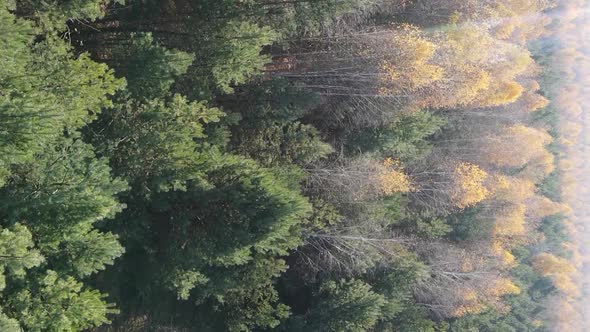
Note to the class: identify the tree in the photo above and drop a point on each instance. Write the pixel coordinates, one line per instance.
(17, 252)
(258, 308)
(469, 188)
(501, 150)
(410, 69)
(150, 69)
(512, 189)
(46, 90)
(548, 264)
(246, 204)
(360, 179)
(55, 203)
(54, 14)
(153, 144)
(510, 221)
(540, 207)
(412, 318)
(240, 59)
(276, 144)
(60, 197)
(442, 185)
(462, 281)
(249, 155)
(60, 303)
(560, 271)
(228, 52)
(342, 306)
(405, 138)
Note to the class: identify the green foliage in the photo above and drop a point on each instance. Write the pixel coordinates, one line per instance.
(150, 69)
(396, 284)
(389, 210)
(239, 55)
(54, 190)
(17, 253)
(244, 213)
(62, 194)
(59, 198)
(60, 304)
(269, 131)
(78, 87)
(45, 90)
(426, 224)
(398, 280)
(316, 17)
(556, 234)
(90, 252)
(412, 318)
(184, 189)
(228, 53)
(277, 100)
(323, 216)
(343, 306)
(254, 308)
(9, 324)
(468, 227)
(182, 282)
(551, 186)
(406, 138)
(153, 145)
(275, 144)
(53, 14)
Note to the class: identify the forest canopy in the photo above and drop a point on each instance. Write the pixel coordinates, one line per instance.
(307, 165)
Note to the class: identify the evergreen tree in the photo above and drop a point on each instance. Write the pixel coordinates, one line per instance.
(150, 69)
(342, 306)
(45, 90)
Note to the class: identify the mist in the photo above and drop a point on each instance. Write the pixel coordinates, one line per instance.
(570, 309)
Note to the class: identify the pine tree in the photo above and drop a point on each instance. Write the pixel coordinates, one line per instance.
(343, 306)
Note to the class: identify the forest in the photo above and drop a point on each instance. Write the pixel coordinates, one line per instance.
(293, 165)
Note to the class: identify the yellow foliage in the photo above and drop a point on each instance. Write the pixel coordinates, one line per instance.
(540, 207)
(503, 286)
(505, 30)
(500, 182)
(517, 145)
(504, 93)
(573, 109)
(477, 300)
(534, 102)
(528, 135)
(566, 285)
(512, 189)
(467, 265)
(511, 221)
(551, 265)
(471, 303)
(477, 81)
(533, 85)
(505, 256)
(472, 308)
(520, 29)
(469, 186)
(469, 42)
(392, 179)
(408, 68)
(395, 79)
(539, 167)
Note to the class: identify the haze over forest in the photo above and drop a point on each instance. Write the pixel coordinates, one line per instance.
(294, 165)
